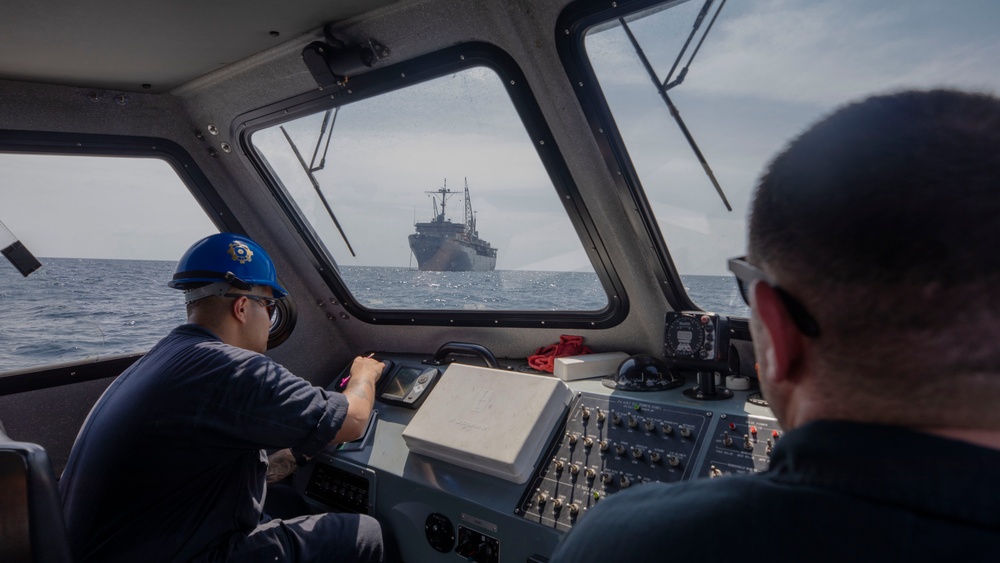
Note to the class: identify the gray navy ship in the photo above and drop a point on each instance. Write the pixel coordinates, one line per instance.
(444, 246)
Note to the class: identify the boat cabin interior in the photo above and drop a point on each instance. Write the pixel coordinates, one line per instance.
(575, 333)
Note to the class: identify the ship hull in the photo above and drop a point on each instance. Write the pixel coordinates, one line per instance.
(443, 254)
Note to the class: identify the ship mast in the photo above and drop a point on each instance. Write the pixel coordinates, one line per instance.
(445, 193)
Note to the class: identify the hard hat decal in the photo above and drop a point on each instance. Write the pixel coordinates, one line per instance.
(240, 252)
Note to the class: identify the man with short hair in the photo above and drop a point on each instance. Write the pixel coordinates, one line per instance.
(871, 276)
(171, 463)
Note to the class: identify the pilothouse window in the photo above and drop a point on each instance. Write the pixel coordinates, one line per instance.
(744, 77)
(433, 197)
(108, 233)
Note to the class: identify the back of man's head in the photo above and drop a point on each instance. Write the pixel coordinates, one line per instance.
(884, 220)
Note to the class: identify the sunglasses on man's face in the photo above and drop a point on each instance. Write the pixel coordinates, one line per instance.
(269, 303)
(746, 273)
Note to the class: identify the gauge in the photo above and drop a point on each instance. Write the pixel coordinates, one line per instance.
(685, 337)
(696, 339)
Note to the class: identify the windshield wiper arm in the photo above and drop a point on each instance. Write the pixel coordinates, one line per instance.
(662, 87)
(323, 131)
(312, 178)
(694, 29)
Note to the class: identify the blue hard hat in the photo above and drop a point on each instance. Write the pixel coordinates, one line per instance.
(226, 257)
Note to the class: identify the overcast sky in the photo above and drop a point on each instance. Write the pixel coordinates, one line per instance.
(767, 70)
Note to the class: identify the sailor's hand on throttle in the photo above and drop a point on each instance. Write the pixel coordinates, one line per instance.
(368, 368)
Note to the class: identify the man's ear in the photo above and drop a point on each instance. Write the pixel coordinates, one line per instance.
(784, 346)
(239, 309)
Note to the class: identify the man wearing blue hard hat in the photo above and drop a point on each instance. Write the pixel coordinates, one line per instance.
(172, 465)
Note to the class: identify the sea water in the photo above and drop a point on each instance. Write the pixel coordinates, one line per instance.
(78, 309)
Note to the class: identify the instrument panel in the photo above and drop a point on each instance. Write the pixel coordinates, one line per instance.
(611, 444)
(607, 440)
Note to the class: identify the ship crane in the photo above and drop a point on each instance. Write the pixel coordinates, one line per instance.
(470, 219)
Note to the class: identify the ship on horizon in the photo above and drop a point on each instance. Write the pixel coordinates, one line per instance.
(443, 246)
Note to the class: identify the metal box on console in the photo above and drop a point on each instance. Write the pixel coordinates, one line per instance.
(492, 421)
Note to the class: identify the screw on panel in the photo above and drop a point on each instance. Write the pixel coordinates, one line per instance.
(94, 97)
(213, 153)
(344, 316)
(213, 129)
(122, 99)
(226, 148)
(199, 135)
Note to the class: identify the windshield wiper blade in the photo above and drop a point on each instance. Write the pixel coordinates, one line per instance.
(312, 178)
(663, 86)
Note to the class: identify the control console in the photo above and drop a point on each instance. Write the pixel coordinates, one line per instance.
(741, 444)
(610, 444)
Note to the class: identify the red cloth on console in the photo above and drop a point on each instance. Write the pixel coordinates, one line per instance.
(568, 345)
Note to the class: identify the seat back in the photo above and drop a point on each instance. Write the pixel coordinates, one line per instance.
(32, 528)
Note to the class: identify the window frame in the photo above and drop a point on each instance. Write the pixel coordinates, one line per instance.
(68, 144)
(571, 29)
(411, 72)
(85, 144)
